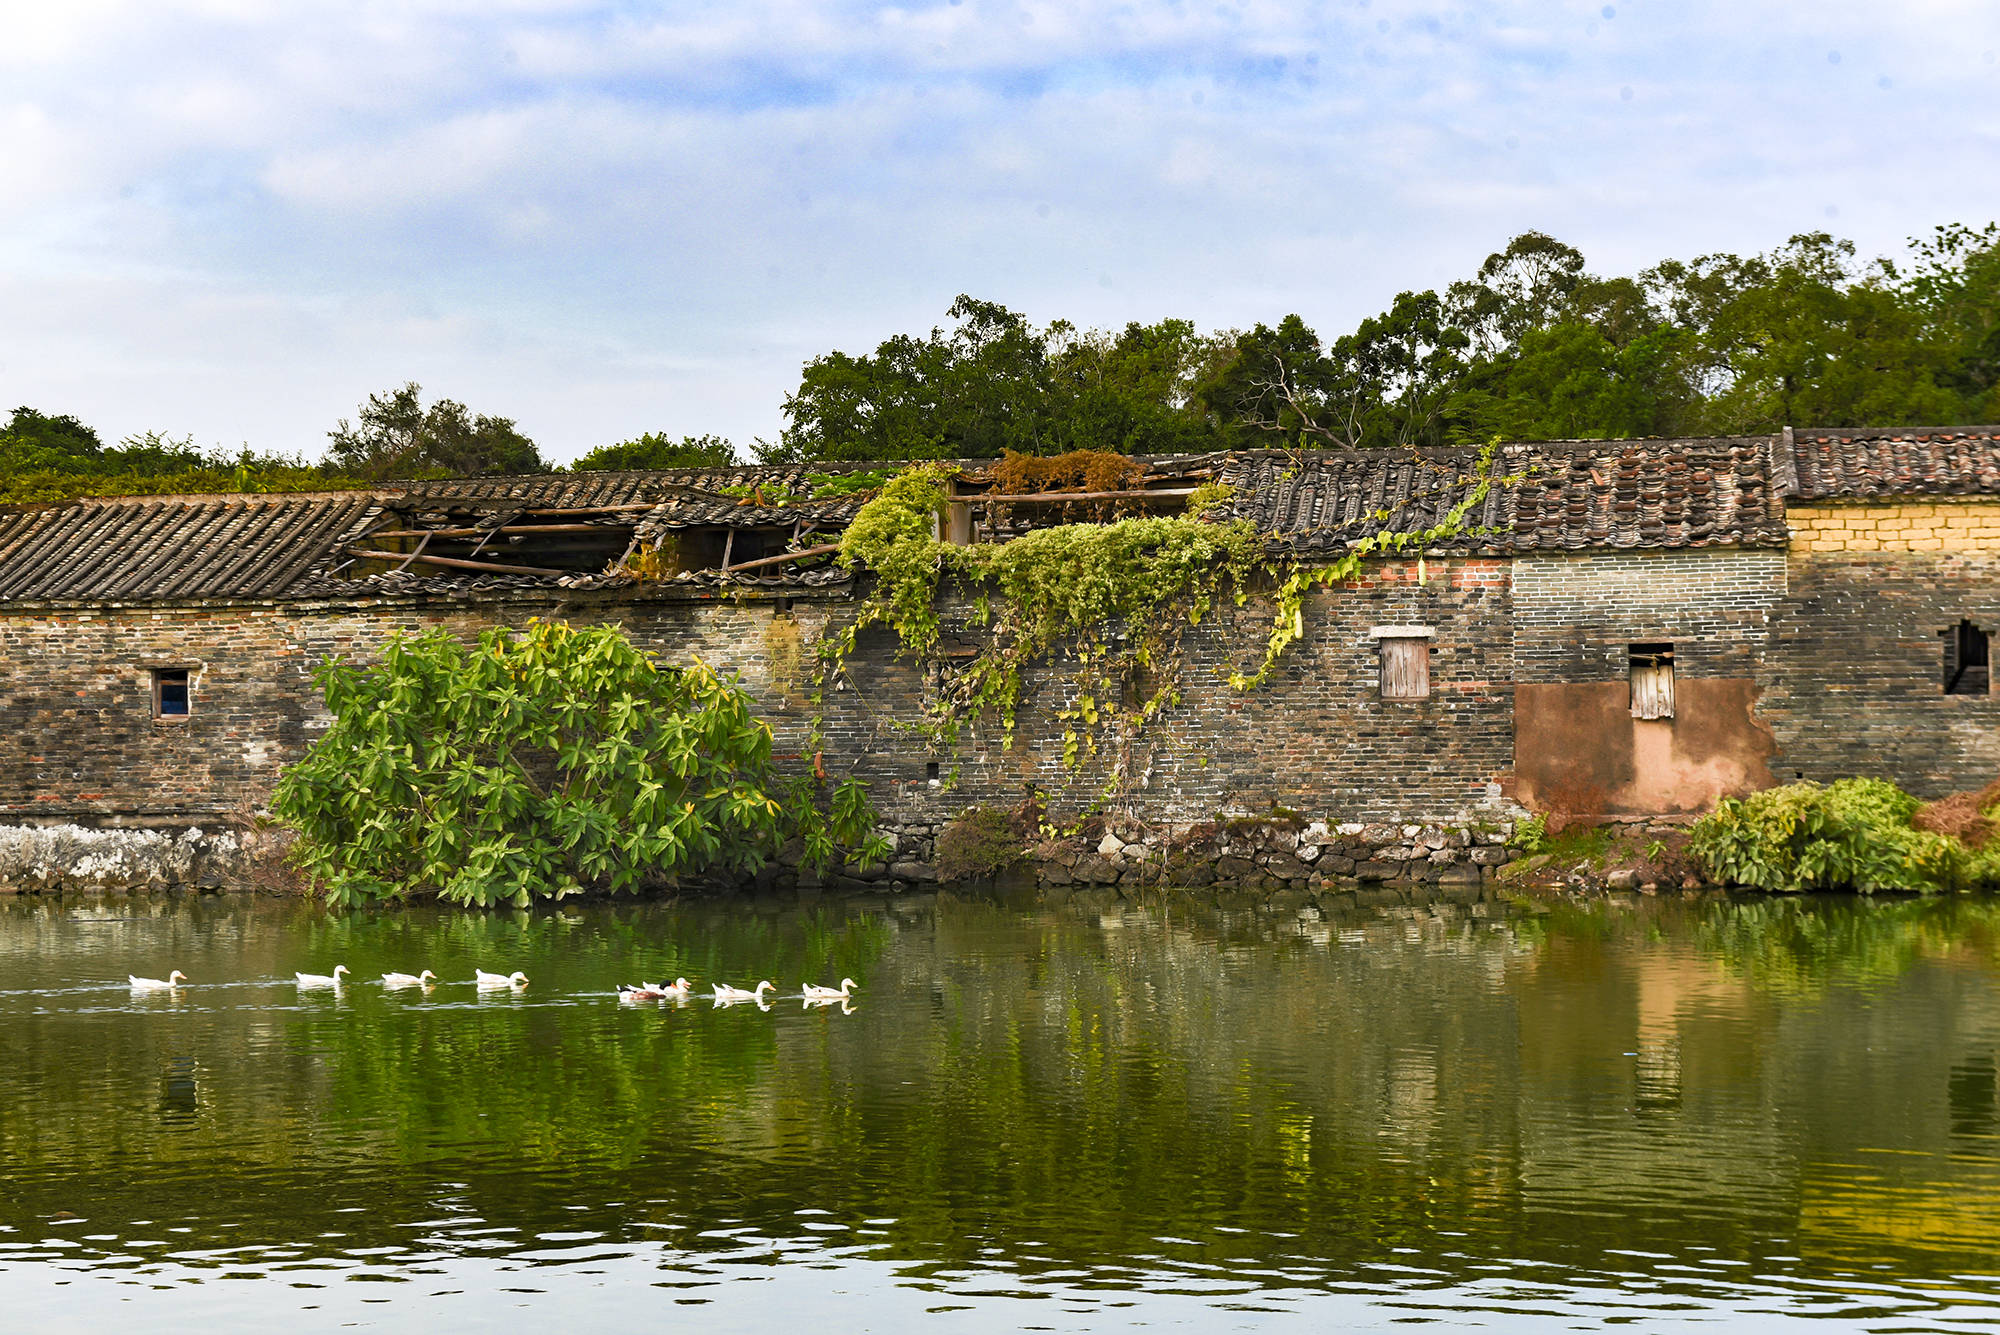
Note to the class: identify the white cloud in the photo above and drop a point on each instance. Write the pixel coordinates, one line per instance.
(240, 218)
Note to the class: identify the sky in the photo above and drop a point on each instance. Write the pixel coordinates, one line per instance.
(235, 220)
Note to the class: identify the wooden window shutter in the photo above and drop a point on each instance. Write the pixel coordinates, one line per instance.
(1406, 667)
(1652, 681)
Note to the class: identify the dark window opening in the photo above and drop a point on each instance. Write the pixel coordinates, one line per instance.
(931, 771)
(170, 693)
(1652, 668)
(1967, 654)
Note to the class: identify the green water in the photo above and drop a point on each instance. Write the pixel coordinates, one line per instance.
(1661, 1114)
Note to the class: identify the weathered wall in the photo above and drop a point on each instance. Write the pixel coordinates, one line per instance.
(77, 737)
(1821, 665)
(1577, 747)
(1856, 670)
(1317, 738)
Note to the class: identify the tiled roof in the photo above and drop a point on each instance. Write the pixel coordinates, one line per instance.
(1829, 463)
(178, 547)
(1319, 502)
(1562, 496)
(1643, 494)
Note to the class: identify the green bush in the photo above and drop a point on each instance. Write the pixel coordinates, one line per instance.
(1851, 835)
(539, 764)
(979, 843)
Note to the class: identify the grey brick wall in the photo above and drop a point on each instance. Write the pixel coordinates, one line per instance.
(1575, 616)
(1855, 672)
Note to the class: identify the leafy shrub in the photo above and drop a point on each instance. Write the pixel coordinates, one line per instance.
(977, 844)
(1854, 834)
(540, 764)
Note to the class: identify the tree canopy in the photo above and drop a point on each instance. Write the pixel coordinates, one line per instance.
(395, 436)
(1532, 346)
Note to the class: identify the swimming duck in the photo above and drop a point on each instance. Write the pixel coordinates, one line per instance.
(499, 980)
(424, 979)
(840, 993)
(725, 994)
(172, 980)
(674, 991)
(323, 979)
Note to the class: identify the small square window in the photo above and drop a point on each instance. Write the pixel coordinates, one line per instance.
(170, 693)
(1652, 669)
(1406, 661)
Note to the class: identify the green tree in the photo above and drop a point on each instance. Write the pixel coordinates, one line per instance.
(1953, 284)
(657, 450)
(972, 393)
(1802, 336)
(37, 440)
(1133, 392)
(1397, 380)
(396, 436)
(539, 764)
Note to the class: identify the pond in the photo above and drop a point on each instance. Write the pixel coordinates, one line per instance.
(1191, 1113)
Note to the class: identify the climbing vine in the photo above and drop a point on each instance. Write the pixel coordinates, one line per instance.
(1110, 600)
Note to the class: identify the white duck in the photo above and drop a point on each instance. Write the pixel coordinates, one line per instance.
(495, 981)
(812, 993)
(676, 990)
(424, 979)
(725, 995)
(333, 979)
(172, 980)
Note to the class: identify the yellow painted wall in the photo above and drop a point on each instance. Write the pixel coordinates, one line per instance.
(1897, 526)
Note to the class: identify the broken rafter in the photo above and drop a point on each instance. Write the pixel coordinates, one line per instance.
(610, 530)
(822, 550)
(593, 509)
(491, 567)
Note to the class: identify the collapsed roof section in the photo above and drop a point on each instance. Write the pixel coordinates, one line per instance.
(697, 527)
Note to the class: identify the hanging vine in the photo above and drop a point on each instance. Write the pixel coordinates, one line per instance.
(1110, 600)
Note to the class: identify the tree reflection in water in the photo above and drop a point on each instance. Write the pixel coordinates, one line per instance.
(1095, 1090)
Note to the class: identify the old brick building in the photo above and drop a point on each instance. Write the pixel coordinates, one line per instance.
(1631, 626)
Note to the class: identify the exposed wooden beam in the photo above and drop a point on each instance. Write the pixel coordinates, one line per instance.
(821, 550)
(609, 530)
(491, 567)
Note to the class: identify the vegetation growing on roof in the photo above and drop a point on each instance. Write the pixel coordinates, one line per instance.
(819, 487)
(542, 763)
(1112, 599)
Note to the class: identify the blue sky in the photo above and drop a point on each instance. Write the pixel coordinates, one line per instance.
(236, 219)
